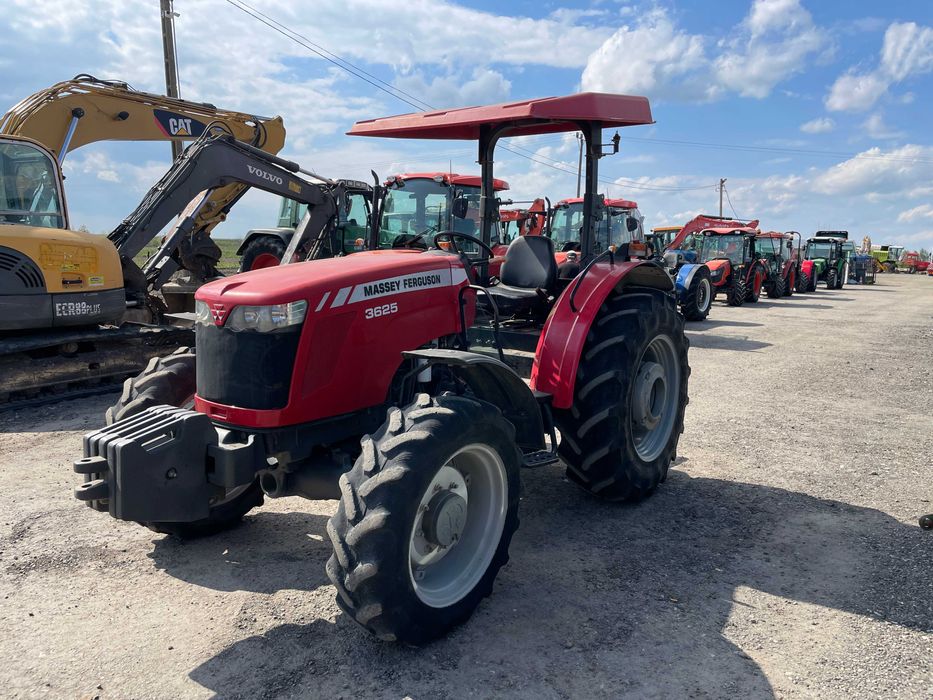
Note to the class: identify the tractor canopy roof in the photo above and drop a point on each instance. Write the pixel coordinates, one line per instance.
(620, 203)
(545, 115)
(723, 231)
(831, 234)
(448, 179)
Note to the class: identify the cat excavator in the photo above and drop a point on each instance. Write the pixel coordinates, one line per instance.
(75, 309)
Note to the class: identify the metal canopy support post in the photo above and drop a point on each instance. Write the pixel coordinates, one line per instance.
(592, 202)
(488, 205)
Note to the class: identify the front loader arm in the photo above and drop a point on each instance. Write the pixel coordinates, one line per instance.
(217, 161)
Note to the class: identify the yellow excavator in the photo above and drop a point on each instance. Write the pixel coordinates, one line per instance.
(57, 286)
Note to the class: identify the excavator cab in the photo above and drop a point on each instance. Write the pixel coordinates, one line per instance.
(30, 186)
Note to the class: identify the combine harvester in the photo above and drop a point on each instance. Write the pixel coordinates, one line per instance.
(886, 257)
(424, 448)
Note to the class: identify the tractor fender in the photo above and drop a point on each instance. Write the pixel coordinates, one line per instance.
(561, 343)
(807, 267)
(685, 277)
(283, 234)
(494, 382)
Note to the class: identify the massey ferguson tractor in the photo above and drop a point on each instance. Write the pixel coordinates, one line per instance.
(390, 381)
(736, 269)
(777, 251)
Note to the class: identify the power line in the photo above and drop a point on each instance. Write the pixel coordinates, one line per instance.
(729, 199)
(415, 102)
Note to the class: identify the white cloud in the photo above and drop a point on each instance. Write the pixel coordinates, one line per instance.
(778, 39)
(818, 126)
(878, 171)
(907, 50)
(653, 57)
(484, 87)
(877, 129)
(656, 57)
(924, 211)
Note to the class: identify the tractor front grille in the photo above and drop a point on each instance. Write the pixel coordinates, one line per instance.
(247, 369)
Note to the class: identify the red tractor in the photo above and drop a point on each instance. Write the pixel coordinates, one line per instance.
(782, 262)
(386, 380)
(736, 269)
(913, 262)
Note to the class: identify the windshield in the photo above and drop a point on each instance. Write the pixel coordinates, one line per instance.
(819, 250)
(717, 245)
(612, 229)
(28, 187)
(423, 206)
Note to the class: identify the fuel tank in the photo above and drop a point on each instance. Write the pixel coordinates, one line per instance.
(360, 312)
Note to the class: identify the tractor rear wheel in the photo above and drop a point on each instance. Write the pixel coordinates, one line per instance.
(777, 288)
(790, 284)
(262, 252)
(753, 290)
(832, 278)
(697, 300)
(171, 380)
(620, 435)
(803, 282)
(736, 295)
(425, 518)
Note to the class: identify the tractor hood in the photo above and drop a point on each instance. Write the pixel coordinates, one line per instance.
(343, 280)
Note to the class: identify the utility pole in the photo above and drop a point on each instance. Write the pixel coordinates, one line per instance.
(579, 161)
(171, 62)
(722, 184)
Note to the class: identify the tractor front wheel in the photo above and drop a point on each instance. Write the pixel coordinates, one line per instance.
(170, 380)
(803, 283)
(262, 252)
(698, 298)
(777, 289)
(736, 295)
(832, 278)
(620, 435)
(425, 518)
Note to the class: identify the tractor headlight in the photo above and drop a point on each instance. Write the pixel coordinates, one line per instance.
(267, 318)
(715, 274)
(257, 318)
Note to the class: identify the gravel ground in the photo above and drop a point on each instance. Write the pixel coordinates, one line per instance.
(781, 558)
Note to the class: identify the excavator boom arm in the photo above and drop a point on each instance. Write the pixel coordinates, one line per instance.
(107, 110)
(215, 162)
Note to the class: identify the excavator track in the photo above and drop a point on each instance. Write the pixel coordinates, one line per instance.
(43, 368)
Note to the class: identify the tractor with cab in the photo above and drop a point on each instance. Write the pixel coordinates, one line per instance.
(781, 260)
(824, 261)
(394, 382)
(736, 270)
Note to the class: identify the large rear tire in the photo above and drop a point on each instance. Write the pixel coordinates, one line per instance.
(832, 278)
(803, 283)
(699, 297)
(736, 295)
(791, 284)
(753, 290)
(777, 288)
(262, 252)
(620, 435)
(425, 518)
(170, 380)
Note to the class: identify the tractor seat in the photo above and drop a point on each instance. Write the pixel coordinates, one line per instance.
(528, 274)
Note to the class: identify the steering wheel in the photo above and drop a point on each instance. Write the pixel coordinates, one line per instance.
(408, 240)
(451, 236)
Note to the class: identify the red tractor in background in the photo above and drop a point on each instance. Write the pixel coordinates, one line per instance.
(387, 379)
(912, 262)
(782, 261)
(736, 270)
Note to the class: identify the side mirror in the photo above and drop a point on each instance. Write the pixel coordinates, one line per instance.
(631, 225)
(460, 207)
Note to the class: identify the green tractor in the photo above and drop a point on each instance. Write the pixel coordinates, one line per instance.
(825, 261)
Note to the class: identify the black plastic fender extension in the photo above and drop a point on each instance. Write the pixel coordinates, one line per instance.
(163, 465)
